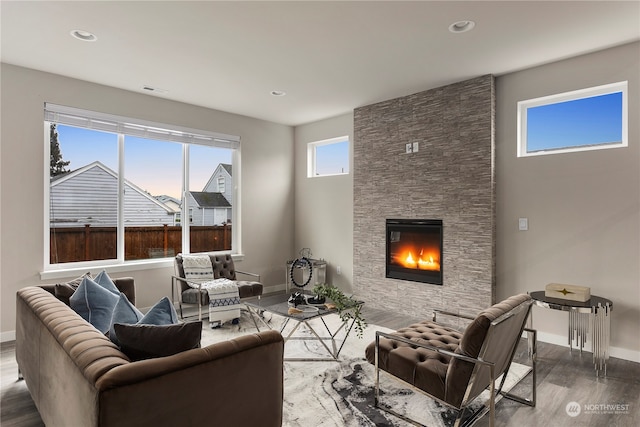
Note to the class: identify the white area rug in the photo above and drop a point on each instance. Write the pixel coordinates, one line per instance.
(338, 394)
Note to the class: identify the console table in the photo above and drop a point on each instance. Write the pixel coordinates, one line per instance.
(592, 317)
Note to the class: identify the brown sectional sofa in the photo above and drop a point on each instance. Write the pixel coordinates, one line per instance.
(78, 377)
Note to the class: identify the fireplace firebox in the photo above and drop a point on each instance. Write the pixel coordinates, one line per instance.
(414, 250)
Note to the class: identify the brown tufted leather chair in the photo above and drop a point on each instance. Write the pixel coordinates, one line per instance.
(454, 367)
(223, 267)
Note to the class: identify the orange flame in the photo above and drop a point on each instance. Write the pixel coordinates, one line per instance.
(423, 262)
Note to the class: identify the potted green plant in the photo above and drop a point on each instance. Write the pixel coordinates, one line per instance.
(348, 308)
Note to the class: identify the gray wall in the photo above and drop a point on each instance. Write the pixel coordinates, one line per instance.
(266, 187)
(324, 205)
(449, 178)
(578, 204)
(583, 208)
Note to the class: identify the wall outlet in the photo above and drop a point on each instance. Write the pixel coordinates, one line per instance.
(415, 147)
(409, 148)
(339, 270)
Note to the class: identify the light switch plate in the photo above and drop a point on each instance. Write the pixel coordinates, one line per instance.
(523, 224)
(415, 147)
(409, 148)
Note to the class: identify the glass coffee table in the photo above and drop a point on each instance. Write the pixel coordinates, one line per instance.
(278, 305)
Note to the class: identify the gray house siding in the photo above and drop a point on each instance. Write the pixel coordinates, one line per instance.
(214, 208)
(222, 171)
(89, 196)
(208, 215)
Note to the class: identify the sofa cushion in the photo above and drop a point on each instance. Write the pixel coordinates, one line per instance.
(63, 291)
(124, 312)
(94, 304)
(148, 341)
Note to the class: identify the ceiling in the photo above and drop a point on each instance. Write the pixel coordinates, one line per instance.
(329, 57)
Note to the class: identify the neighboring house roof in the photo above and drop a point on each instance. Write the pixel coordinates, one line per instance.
(57, 177)
(210, 200)
(164, 199)
(227, 168)
(171, 202)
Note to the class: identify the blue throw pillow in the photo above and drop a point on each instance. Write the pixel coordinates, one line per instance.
(94, 304)
(124, 312)
(163, 313)
(105, 281)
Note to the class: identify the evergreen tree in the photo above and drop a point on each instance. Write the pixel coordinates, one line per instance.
(57, 165)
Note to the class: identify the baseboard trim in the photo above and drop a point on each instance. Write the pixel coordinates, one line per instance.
(273, 289)
(561, 340)
(7, 336)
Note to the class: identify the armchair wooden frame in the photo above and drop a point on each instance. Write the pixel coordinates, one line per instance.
(481, 363)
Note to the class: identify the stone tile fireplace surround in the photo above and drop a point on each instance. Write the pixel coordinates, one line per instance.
(450, 177)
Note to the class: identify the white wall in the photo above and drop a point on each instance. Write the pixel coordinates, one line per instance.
(266, 171)
(583, 208)
(324, 205)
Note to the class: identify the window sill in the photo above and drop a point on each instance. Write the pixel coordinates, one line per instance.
(149, 264)
(67, 272)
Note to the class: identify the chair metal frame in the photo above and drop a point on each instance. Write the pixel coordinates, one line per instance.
(478, 362)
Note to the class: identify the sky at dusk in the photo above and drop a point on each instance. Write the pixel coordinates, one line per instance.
(152, 165)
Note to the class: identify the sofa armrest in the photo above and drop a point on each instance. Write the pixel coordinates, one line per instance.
(237, 382)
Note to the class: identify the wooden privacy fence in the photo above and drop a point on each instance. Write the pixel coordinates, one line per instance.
(72, 244)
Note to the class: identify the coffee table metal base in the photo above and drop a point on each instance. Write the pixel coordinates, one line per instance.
(336, 343)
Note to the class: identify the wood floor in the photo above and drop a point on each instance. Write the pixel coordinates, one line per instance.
(563, 377)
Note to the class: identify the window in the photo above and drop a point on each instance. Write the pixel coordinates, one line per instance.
(221, 187)
(328, 157)
(587, 119)
(118, 187)
(178, 216)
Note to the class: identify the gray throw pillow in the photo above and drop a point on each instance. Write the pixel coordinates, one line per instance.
(162, 313)
(124, 312)
(63, 291)
(105, 281)
(94, 304)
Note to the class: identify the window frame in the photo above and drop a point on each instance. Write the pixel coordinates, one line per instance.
(312, 156)
(523, 106)
(119, 125)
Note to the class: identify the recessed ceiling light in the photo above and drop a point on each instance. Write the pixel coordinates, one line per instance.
(278, 93)
(462, 26)
(83, 35)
